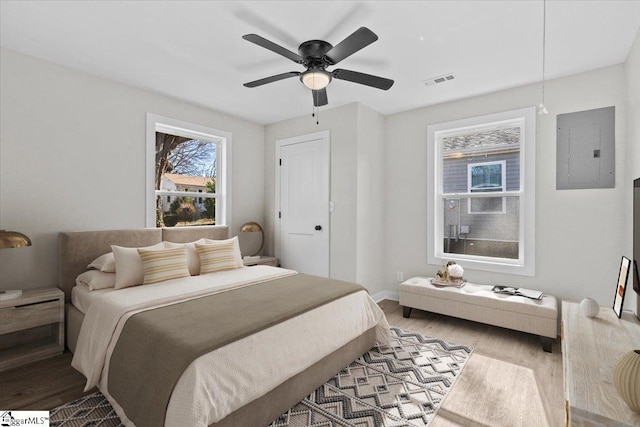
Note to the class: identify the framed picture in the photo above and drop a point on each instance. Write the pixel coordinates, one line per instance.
(621, 286)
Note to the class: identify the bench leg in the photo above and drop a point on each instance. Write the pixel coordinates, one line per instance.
(546, 343)
(406, 312)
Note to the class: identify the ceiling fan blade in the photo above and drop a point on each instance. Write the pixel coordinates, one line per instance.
(272, 79)
(261, 41)
(320, 97)
(362, 78)
(362, 37)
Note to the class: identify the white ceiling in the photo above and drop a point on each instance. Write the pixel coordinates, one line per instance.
(193, 50)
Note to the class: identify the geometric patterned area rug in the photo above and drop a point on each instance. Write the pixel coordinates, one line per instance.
(403, 384)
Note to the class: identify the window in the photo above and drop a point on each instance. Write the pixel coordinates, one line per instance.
(482, 192)
(188, 174)
(483, 178)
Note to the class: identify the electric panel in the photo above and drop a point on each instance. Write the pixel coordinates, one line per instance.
(585, 156)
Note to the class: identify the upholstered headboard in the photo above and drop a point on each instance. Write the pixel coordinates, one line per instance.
(78, 248)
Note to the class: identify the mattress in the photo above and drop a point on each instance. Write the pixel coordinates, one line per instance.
(82, 297)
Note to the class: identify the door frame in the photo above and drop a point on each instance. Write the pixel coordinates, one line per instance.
(325, 136)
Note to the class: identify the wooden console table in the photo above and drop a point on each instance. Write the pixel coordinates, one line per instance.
(590, 348)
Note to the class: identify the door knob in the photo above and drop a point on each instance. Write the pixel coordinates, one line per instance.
(318, 227)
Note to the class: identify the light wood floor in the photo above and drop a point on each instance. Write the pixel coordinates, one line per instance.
(508, 380)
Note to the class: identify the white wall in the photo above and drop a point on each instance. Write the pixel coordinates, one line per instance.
(342, 123)
(580, 234)
(370, 256)
(78, 140)
(72, 157)
(632, 164)
(357, 179)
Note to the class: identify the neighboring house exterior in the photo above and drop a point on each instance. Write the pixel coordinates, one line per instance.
(482, 162)
(177, 182)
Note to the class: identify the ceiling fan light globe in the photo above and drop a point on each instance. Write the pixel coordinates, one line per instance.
(316, 80)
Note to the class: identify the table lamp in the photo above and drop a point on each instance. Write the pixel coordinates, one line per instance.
(254, 227)
(10, 240)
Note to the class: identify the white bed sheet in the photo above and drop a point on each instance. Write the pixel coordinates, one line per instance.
(226, 379)
(82, 297)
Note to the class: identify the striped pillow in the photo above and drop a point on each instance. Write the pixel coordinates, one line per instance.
(217, 256)
(163, 264)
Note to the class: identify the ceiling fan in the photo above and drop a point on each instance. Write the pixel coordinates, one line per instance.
(316, 56)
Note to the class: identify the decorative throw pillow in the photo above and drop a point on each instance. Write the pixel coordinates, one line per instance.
(193, 261)
(96, 279)
(236, 248)
(163, 264)
(105, 263)
(129, 271)
(216, 256)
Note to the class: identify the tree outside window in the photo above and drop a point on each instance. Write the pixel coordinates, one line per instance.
(185, 172)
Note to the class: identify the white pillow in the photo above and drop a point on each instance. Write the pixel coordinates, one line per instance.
(193, 259)
(129, 270)
(105, 263)
(96, 279)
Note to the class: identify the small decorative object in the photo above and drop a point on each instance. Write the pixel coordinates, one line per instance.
(589, 307)
(626, 377)
(443, 273)
(621, 286)
(449, 275)
(456, 272)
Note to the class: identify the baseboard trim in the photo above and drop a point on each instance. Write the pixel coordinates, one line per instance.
(390, 295)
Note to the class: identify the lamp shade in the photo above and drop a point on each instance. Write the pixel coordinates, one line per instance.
(315, 80)
(254, 227)
(13, 239)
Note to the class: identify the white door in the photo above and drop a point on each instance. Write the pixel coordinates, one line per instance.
(302, 203)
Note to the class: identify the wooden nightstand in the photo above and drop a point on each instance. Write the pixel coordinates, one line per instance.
(264, 260)
(31, 327)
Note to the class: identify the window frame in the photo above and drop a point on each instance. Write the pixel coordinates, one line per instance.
(222, 139)
(503, 173)
(525, 264)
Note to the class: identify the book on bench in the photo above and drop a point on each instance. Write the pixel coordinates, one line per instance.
(522, 292)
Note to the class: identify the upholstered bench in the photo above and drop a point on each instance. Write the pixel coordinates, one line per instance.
(480, 304)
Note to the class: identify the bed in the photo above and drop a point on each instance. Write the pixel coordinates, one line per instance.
(245, 381)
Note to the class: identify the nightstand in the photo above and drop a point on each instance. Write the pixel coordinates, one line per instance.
(264, 260)
(31, 327)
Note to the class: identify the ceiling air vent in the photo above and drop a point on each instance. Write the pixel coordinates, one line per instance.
(440, 79)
